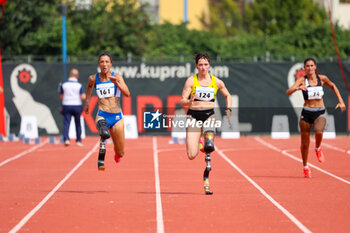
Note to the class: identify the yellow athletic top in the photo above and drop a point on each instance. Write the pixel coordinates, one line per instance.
(204, 93)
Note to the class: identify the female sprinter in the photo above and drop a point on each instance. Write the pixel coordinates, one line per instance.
(199, 95)
(314, 110)
(109, 120)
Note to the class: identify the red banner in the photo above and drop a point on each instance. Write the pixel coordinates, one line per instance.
(2, 103)
(3, 4)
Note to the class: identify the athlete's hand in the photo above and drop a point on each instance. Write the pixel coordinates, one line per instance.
(191, 100)
(301, 88)
(341, 106)
(114, 79)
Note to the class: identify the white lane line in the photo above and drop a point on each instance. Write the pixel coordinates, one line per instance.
(165, 150)
(53, 191)
(284, 152)
(333, 147)
(160, 222)
(23, 153)
(290, 150)
(264, 193)
(240, 149)
(330, 146)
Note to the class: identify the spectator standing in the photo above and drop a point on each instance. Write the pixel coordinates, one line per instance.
(72, 94)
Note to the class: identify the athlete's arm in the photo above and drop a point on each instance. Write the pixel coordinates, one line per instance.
(119, 81)
(89, 89)
(325, 80)
(298, 85)
(185, 101)
(222, 88)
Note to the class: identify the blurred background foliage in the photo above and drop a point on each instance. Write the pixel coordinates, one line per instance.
(289, 28)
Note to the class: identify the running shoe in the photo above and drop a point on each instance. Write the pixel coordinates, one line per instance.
(319, 155)
(201, 145)
(307, 172)
(79, 144)
(66, 143)
(117, 158)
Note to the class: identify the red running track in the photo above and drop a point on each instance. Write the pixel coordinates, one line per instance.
(258, 186)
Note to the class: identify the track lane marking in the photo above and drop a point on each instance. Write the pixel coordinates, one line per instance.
(23, 153)
(165, 150)
(160, 222)
(52, 192)
(239, 149)
(330, 146)
(265, 194)
(284, 152)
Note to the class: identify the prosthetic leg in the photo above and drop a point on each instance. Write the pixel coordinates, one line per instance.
(208, 148)
(104, 134)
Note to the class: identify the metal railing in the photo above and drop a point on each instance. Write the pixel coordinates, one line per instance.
(267, 57)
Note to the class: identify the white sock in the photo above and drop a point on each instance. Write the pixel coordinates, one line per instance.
(307, 166)
(317, 148)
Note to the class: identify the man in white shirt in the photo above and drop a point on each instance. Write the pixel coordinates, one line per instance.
(72, 94)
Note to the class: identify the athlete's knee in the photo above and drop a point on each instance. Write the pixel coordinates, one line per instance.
(191, 156)
(192, 150)
(103, 130)
(209, 141)
(305, 144)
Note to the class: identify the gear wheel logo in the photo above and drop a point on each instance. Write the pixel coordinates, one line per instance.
(24, 76)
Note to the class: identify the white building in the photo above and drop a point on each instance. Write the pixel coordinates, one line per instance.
(340, 11)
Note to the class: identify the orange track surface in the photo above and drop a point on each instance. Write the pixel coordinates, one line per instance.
(258, 186)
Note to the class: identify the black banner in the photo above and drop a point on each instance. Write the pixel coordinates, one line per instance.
(258, 91)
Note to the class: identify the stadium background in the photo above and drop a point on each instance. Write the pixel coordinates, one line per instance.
(259, 84)
(260, 88)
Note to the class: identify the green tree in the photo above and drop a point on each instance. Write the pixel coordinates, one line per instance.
(30, 27)
(116, 26)
(168, 39)
(263, 17)
(225, 17)
(275, 16)
(35, 27)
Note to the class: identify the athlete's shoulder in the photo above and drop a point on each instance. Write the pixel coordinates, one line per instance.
(216, 78)
(189, 82)
(92, 79)
(324, 80)
(190, 79)
(323, 77)
(219, 82)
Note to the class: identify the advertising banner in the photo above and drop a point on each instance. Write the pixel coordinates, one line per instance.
(259, 91)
